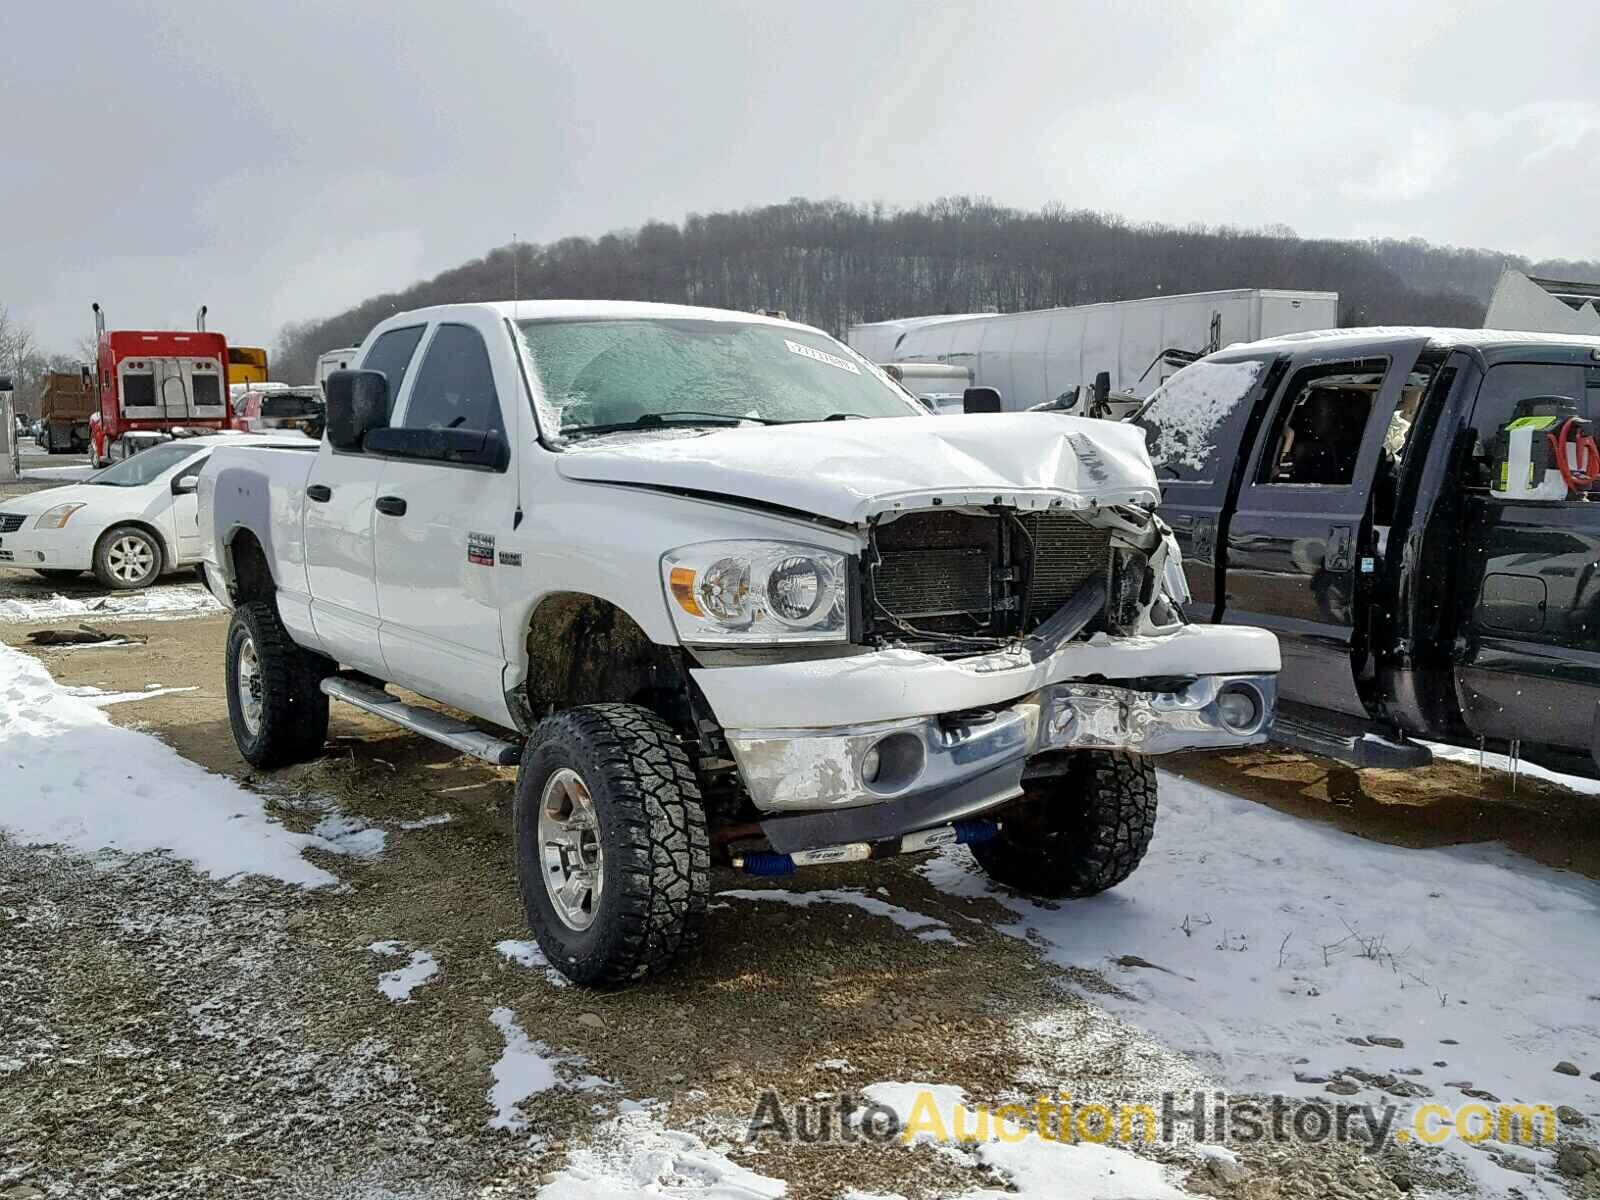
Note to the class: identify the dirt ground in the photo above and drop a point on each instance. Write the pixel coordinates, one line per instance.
(175, 1036)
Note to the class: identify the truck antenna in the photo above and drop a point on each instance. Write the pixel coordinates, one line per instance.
(516, 292)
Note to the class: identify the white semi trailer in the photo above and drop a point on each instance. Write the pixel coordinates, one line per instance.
(1054, 354)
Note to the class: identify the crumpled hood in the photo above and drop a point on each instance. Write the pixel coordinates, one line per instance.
(849, 471)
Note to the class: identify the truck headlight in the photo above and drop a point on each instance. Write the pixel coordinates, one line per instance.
(744, 592)
(56, 517)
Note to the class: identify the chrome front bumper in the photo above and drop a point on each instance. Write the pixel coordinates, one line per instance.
(957, 764)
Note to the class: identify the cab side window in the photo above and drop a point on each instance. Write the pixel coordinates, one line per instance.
(1503, 388)
(455, 385)
(1322, 423)
(391, 354)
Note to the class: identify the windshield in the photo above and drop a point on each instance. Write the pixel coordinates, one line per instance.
(602, 375)
(143, 467)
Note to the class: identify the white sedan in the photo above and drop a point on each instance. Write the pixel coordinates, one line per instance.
(127, 523)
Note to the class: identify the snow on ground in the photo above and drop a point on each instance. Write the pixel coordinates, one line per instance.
(69, 777)
(345, 834)
(529, 954)
(926, 928)
(399, 983)
(1501, 762)
(102, 699)
(1034, 1168)
(1273, 949)
(525, 1069)
(163, 601)
(633, 1157)
(426, 822)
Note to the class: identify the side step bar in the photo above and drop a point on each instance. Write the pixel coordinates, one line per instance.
(1347, 739)
(430, 723)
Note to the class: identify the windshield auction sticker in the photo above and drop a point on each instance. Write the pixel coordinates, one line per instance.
(833, 360)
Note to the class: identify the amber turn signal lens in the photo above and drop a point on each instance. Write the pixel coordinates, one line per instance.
(681, 581)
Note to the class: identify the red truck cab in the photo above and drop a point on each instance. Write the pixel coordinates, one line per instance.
(152, 385)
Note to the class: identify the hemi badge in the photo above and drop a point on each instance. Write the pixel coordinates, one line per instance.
(510, 558)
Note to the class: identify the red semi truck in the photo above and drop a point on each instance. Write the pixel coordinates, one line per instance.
(154, 385)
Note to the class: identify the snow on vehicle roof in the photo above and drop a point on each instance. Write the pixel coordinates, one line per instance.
(1407, 333)
(544, 310)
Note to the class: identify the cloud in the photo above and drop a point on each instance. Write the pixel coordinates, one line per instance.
(281, 164)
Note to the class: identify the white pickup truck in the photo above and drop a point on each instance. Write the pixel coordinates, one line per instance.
(721, 589)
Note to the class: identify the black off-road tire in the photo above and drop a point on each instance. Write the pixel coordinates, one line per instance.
(651, 829)
(1076, 834)
(293, 720)
(58, 574)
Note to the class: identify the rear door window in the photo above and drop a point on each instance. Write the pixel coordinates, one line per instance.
(1196, 416)
(1322, 423)
(391, 354)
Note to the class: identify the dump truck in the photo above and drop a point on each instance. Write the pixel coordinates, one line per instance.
(66, 401)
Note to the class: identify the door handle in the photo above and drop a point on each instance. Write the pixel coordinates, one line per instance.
(321, 493)
(391, 506)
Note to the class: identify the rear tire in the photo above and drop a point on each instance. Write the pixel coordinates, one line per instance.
(127, 558)
(607, 805)
(1076, 834)
(276, 707)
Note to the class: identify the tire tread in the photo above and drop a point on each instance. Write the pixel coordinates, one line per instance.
(658, 854)
(1096, 836)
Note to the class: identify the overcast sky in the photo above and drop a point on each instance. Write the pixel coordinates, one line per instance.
(282, 160)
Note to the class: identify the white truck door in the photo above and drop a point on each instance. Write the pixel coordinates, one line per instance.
(436, 532)
(340, 490)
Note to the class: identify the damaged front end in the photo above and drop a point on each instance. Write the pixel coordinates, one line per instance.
(993, 640)
(959, 581)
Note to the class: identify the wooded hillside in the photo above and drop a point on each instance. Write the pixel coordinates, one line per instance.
(831, 264)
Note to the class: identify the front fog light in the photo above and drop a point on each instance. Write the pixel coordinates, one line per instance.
(870, 762)
(1238, 709)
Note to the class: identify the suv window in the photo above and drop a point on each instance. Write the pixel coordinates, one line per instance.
(391, 354)
(455, 385)
(1503, 387)
(1190, 417)
(1322, 422)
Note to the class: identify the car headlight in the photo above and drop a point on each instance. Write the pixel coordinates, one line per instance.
(56, 517)
(739, 593)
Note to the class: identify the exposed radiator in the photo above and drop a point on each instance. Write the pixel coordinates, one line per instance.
(1066, 553)
(971, 573)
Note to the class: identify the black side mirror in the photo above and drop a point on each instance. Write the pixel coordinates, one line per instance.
(358, 403)
(980, 400)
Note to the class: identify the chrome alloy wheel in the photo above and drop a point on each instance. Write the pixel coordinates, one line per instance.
(569, 847)
(249, 685)
(130, 558)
